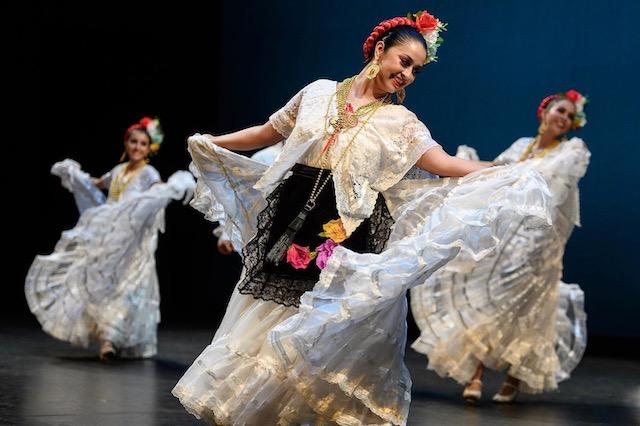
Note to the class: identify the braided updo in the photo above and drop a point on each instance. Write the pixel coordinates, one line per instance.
(392, 32)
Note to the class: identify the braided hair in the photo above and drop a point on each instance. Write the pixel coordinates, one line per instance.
(392, 32)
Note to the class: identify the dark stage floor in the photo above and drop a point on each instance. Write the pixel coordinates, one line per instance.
(46, 382)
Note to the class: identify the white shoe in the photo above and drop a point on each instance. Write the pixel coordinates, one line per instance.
(472, 395)
(506, 398)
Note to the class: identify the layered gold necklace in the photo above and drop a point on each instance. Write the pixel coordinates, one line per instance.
(530, 153)
(346, 117)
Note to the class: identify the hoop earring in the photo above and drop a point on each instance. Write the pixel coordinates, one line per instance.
(401, 95)
(372, 70)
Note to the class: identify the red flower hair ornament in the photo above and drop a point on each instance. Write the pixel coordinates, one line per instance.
(426, 24)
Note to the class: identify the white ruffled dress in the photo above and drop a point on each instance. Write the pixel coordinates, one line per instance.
(338, 358)
(511, 310)
(100, 282)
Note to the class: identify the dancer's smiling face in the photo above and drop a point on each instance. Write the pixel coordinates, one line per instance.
(137, 145)
(399, 64)
(558, 117)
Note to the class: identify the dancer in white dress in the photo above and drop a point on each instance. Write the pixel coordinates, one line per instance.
(100, 283)
(301, 346)
(512, 311)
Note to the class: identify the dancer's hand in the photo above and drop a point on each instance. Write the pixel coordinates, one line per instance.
(225, 247)
(97, 182)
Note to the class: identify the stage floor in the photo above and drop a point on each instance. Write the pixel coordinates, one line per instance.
(46, 382)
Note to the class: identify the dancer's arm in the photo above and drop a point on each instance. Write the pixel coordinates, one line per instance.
(438, 162)
(251, 138)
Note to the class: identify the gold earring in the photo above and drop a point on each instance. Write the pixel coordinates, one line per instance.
(542, 128)
(123, 156)
(372, 70)
(401, 94)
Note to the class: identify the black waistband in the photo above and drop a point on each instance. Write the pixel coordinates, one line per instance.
(307, 171)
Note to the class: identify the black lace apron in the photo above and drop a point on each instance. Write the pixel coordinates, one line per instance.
(282, 283)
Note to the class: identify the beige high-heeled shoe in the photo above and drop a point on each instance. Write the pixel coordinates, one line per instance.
(107, 351)
(472, 395)
(509, 397)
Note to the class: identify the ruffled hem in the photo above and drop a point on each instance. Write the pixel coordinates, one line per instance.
(459, 358)
(273, 400)
(238, 379)
(539, 346)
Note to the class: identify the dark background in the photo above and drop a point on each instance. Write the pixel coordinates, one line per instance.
(81, 74)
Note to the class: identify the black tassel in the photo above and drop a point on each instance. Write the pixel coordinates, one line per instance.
(281, 246)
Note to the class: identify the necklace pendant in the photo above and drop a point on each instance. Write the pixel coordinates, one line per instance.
(351, 121)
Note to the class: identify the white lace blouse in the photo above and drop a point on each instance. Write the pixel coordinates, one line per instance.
(382, 153)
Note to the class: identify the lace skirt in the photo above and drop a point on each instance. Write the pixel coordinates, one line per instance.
(282, 283)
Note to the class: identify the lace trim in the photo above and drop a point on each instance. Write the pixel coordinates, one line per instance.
(284, 120)
(284, 289)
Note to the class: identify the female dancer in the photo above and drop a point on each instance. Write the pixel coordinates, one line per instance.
(512, 311)
(297, 346)
(100, 283)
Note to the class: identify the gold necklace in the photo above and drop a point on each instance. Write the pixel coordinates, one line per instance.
(347, 117)
(529, 153)
(121, 181)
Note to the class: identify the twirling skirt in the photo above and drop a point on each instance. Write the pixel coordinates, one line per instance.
(238, 379)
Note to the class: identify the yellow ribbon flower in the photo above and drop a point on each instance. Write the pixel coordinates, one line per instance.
(334, 230)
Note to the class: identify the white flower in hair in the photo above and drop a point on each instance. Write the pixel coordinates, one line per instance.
(431, 38)
(153, 128)
(155, 131)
